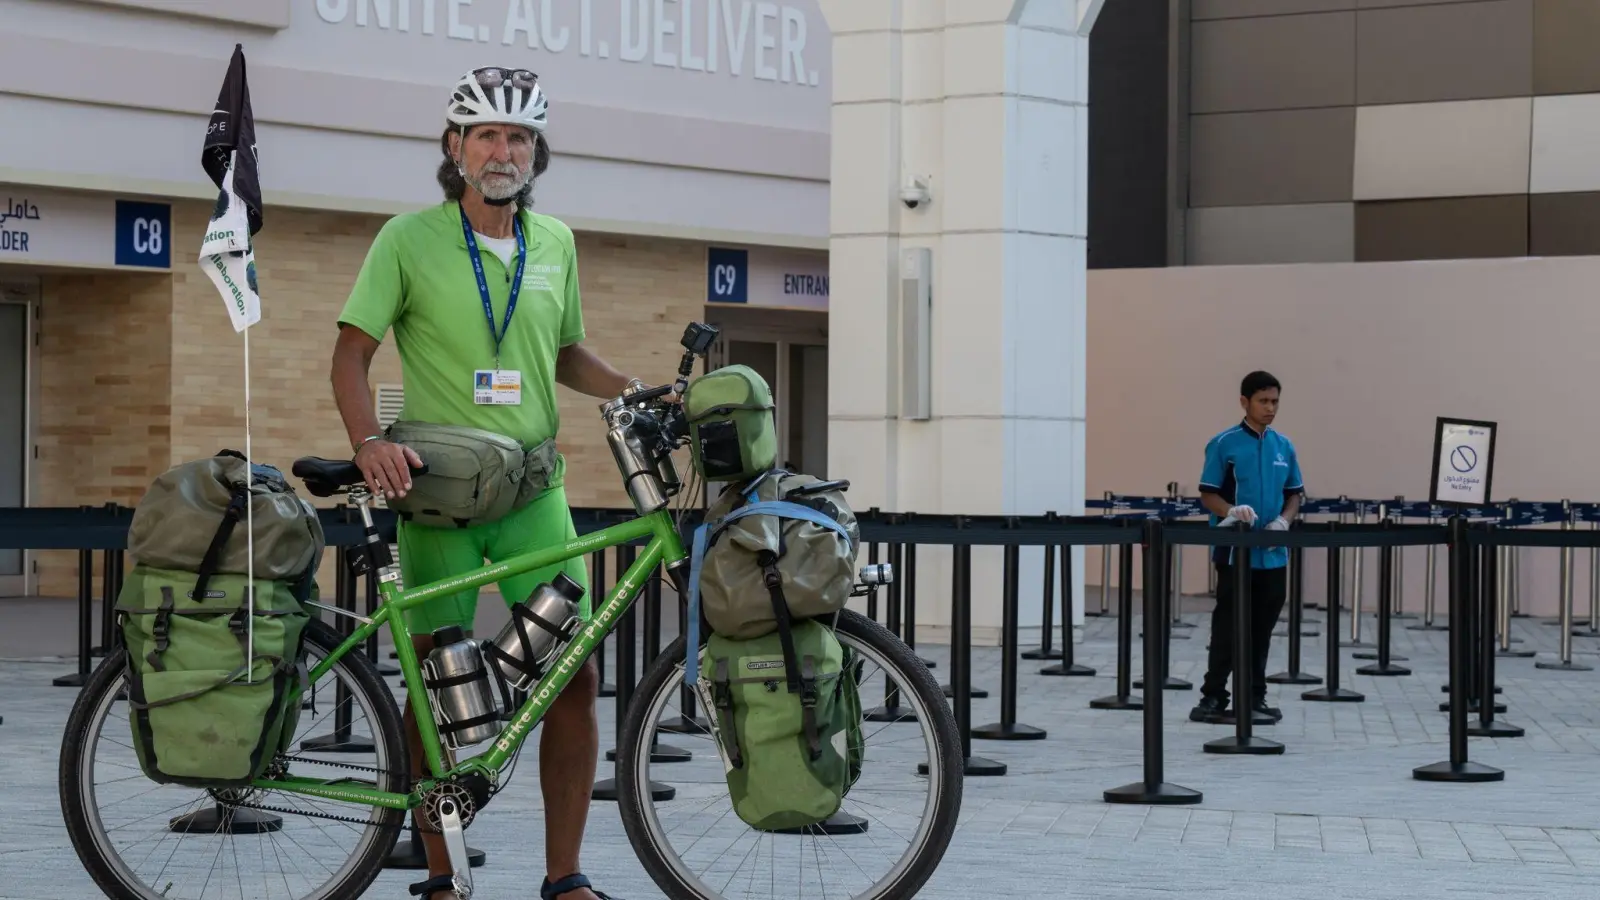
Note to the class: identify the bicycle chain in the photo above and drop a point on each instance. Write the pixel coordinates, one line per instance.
(284, 760)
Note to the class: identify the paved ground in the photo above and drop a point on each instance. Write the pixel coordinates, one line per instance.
(1337, 816)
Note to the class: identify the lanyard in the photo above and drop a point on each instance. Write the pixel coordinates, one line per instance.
(483, 285)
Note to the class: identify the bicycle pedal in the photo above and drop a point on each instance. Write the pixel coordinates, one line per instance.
(455, 843)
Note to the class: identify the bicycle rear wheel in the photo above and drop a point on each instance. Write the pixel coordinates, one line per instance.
(141, 840)
(725, 858)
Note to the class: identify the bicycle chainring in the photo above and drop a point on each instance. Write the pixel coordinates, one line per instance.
(466, 806)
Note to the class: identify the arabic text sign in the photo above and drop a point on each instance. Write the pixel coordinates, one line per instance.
(1463, 461)
(47, 227)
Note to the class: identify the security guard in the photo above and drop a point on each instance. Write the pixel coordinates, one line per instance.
(1251, 475)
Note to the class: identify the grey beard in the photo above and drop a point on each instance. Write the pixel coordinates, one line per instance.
(504, 195)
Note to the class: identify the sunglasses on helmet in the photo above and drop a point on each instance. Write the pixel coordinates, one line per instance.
(497, 76)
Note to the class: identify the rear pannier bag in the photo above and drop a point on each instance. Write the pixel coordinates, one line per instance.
(201, 713)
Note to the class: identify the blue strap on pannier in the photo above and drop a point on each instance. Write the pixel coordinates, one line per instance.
(706, 533)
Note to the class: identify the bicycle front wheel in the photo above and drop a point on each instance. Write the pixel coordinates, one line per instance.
(141, 840)
(885, 842)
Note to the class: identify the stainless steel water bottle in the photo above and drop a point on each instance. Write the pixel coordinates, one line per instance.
(539, 630)
(463, 703)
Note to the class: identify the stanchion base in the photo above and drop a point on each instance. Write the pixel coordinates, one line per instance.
(1448, 771)
(1472, 707)
(1293, 678)
(330, 743)
(840, 823)
(1583, 632)
(1253, 746)
(385, 670)
(1226, 717)
(1564, 666)
(608, 690)
(1041, 654)
(1173, 684)
(928, 663)
(685, 725)
(74, 680)
(1359, 645)
(1383, 670)
(1445, 689)
(216, 820)
(662, 753)
(1162, 794)
(1074, 669)
(1495, 730)
(1013, 732)
(1115, 702)
(1393, 656)
(1402, 615)
(1182, 624)
(1427, 627)
(975, 693)
(1340, 695)
(409, 853)
(1516, 654)
(891, 715)
(607, 790)
(976, 766)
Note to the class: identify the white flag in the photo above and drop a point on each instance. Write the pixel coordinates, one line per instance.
(227, 254)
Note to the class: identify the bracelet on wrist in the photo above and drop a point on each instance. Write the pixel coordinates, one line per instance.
(366, 440)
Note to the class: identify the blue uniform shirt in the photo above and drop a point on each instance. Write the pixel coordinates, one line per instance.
(1260, 471)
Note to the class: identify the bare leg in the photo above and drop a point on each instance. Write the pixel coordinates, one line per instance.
(569, 750)
(438, 856)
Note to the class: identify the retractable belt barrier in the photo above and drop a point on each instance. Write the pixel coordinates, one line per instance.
(1475, 540)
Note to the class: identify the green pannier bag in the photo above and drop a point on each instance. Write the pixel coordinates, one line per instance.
(817, 563)
(732, 435)
(782, 691)
(790, 736)
(474, 476)
(204, 711)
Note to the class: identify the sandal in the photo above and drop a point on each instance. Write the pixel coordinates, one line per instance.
(548, 891)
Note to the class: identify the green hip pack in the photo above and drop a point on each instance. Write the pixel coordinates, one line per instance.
(474, 476)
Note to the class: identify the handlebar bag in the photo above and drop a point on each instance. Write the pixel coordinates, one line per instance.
(732, 432)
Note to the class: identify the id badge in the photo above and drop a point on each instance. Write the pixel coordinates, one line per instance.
(497, 387)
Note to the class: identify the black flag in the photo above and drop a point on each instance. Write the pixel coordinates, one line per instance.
(233, 128)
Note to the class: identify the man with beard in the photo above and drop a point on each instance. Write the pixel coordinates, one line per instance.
(426, 277)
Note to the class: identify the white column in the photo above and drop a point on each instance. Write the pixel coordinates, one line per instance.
(985, 101)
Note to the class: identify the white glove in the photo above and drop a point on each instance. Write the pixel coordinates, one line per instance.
(1278, 524)
(1242, 514)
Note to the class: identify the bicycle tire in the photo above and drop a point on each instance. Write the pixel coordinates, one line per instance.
(362, 676)
(908, 670)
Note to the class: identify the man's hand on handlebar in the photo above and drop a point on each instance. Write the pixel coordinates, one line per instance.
(387, 467)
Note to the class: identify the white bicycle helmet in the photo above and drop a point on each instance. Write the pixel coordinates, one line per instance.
(494, 94)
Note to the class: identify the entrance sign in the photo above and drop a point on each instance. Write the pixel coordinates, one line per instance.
(767, 277)
(45, 227)
(1463, 461)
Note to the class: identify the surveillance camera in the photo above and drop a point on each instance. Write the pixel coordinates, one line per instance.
(914, 194)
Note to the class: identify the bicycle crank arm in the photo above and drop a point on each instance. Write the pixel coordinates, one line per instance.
(456, 843)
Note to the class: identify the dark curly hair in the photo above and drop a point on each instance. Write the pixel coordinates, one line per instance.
(449, 175)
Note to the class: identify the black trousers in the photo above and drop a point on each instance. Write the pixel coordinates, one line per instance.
(1268, 590)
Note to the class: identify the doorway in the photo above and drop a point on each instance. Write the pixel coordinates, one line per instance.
(789, 348)
(19, 298)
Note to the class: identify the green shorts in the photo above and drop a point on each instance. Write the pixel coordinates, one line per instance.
(429, 554)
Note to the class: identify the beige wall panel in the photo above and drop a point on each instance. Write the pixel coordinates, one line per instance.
(1455, 149)
(1296, 156)
(1566, 144)
(1248, 235)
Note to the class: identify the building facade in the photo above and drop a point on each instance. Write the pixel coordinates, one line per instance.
(690, 157)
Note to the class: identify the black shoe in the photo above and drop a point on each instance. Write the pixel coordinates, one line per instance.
(1262, 708)
(1209, 709)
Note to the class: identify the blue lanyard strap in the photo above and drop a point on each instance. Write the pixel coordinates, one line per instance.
(483, 284)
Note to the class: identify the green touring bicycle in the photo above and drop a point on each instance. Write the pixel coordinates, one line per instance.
(323, 819)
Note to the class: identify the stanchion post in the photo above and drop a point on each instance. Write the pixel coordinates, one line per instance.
(1458, 768)
(1429, 591)
(1068, 665)
(1489, 604)
(1297, 580)
(1386, 555)
(627, 646)
(85, 620)
(961, 658)
(1123, 698)
(1243, 740)
(1332, 692)
(1565, 620)
(1048, 609)
(1008, 728)
(1154, 788)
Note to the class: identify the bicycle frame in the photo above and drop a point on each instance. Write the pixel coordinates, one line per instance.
(664, 547)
